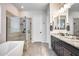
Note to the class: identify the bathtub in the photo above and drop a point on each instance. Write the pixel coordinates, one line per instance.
(12, 48)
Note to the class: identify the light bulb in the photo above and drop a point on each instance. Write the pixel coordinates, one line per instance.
(22, 6)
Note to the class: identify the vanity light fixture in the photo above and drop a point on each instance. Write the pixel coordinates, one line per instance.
(61, 10)
(66, 6)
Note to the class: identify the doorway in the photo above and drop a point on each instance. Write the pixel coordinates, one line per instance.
(76, 26)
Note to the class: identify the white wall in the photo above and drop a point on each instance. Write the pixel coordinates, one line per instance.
(72, 14)
(3, 24)
(38, 24)
(0, 18)
(12, 9)
(48, 26)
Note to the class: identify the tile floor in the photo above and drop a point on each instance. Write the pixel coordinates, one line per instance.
(38, 49)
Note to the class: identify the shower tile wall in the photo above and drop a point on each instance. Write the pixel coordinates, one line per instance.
(16, 36)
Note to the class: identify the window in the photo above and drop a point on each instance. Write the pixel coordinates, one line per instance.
(15, 24)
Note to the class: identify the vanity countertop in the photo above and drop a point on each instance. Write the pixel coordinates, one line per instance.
(72, 41)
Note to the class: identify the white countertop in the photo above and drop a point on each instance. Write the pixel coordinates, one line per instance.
(74, 42)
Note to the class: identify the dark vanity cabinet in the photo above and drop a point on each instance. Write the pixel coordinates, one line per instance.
(62, 48)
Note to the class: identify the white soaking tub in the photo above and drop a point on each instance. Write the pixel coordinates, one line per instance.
(12, 48)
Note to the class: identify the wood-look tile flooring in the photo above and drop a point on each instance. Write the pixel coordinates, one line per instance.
(38, 49)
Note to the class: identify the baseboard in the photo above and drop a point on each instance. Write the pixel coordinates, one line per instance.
(40, 41)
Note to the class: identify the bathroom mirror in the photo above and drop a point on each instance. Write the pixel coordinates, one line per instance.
(56, 22)
(62, 22)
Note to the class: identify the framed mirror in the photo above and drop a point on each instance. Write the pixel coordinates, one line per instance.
(56, 22)
(62, 22)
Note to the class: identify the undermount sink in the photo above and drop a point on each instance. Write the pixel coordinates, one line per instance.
(61, 34)
(72, 37)
(69, 37)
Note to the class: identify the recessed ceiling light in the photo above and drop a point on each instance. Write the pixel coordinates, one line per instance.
(22, 6)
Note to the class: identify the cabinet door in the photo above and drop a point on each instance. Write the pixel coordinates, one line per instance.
(53, 42)
(61, 48)
(67, 52)
(73, 54)
(61, 51)
(57, 48)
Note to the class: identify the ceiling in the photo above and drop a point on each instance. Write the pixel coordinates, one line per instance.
(56, 5)
(75, 7)
(31, 6)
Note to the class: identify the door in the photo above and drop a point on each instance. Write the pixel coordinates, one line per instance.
(76, 26)
(37, 28)
(42, 28)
